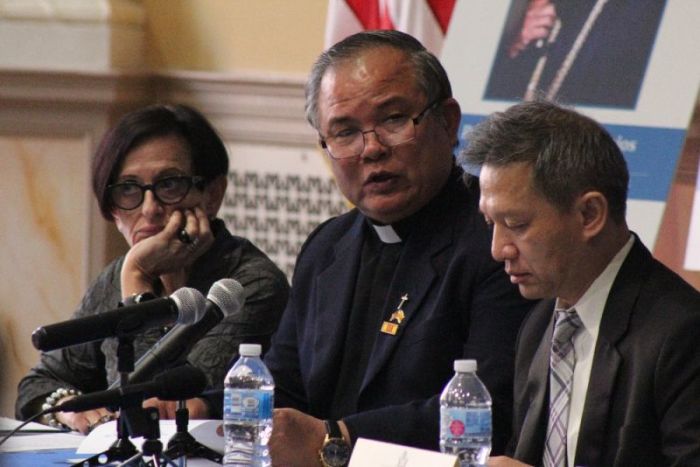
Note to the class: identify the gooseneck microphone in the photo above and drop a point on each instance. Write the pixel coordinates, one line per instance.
(225, 298)
(181, 383)
(183, 307)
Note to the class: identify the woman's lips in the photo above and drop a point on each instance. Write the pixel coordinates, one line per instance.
(147, 232)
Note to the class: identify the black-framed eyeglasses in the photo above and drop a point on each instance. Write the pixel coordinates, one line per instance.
(170, 190)
(392, 131)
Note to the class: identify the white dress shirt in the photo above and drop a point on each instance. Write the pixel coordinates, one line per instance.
(590, 309)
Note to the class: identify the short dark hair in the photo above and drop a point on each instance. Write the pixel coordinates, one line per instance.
(207, 150)
(431, 77)
(569, 152)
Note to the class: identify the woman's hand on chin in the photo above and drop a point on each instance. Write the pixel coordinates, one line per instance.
(166, 253)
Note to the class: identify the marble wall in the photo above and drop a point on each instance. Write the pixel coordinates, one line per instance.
(42, 237)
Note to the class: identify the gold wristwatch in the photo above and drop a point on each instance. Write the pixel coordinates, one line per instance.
(335, 451)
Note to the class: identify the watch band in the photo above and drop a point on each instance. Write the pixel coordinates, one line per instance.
(333, 429)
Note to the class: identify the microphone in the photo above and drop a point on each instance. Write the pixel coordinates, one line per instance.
(182, 306)
(184, 382)
(225, 298)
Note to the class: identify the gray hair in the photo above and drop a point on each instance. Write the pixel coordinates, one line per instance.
(431, 77)
(569, 152)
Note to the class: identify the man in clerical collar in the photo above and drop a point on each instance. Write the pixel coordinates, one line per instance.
(387, 296)
(607, 369)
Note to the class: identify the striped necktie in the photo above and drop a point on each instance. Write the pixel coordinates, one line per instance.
(561, 378)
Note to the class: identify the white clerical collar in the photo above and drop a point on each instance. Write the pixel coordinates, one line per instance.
(386, 233)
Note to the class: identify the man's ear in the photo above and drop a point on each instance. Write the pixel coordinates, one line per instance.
(452, 115)
(214, 195)
(593, 209)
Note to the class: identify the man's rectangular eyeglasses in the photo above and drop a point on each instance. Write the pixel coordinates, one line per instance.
(392, 131)
(171, 190)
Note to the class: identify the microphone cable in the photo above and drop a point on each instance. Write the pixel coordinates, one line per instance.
(19, 427)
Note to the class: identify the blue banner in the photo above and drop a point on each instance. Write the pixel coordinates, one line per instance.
(650, 153)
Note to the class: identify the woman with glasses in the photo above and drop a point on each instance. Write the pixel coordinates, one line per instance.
(160, 175)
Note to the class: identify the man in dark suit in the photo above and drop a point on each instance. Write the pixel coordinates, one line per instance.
(623, 388)
(585, 52)
(387, 296)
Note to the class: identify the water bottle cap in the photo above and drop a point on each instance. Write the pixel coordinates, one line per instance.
(250, 350)
(465, 366)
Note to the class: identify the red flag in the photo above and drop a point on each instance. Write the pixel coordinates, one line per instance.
(426, 20)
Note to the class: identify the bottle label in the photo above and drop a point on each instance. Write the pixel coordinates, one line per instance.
(459, 422)
(247, 404)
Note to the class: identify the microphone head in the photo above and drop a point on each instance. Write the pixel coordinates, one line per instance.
(183, 382)
(190, 305)
(227, 294)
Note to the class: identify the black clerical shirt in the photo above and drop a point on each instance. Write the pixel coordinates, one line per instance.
(371, 305)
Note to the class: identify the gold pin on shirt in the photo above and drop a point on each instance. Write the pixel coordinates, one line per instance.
(388, 327)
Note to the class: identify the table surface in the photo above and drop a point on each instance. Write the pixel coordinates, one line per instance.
(39, 448)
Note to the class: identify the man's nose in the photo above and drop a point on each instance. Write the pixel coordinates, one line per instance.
(374, 148)
(502, 248)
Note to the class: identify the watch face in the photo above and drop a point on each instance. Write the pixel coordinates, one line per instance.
(336, 452)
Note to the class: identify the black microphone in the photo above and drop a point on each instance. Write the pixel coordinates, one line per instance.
(225, 298)
(183, 306)
(181, 383)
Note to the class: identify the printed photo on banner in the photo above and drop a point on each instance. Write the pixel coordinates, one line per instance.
(588, 52)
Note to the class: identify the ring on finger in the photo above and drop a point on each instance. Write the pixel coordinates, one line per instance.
(184, 237)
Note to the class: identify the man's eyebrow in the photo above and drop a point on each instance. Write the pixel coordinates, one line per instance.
(391, 101)
(394, 100)
(343, 119)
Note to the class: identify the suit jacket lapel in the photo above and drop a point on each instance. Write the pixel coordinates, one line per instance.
(606, 360)
(335, 287)
(534, 427)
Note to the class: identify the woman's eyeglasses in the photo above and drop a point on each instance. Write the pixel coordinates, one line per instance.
(171, 190)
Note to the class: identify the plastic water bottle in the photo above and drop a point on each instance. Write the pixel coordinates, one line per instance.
(465, 416)
(248, 401)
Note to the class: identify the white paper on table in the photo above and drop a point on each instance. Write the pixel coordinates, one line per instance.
(34, 442)
(692, 250)
(370, 453)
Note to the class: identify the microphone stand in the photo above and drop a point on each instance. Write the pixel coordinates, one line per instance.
(122, 449)
(143, 422)
(183, 445)
(137, 421)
